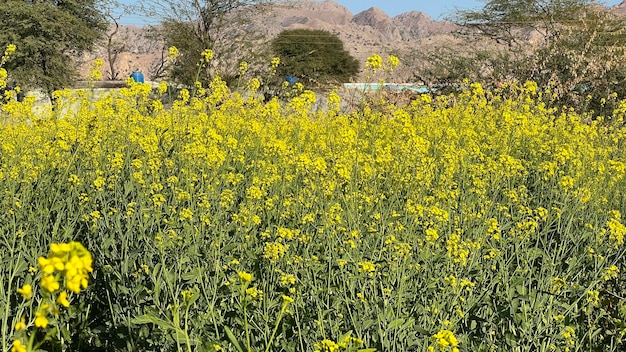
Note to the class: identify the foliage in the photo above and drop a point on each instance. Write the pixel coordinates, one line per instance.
(195, 26)
(573, 48)
(49, 35)
(476, 221)
(510, 22)
(314, 56)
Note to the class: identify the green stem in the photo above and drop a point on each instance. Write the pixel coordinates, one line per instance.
(280, 317)
(245, 323)
(187, 328)
(298, 327)
(31, 342)
(5, 320)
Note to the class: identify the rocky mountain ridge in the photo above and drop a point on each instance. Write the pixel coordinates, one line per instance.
(370, 31)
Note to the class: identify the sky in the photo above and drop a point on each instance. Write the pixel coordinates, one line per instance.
(436, 9)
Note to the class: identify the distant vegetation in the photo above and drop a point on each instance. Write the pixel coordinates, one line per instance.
(49, 35)
(574, 50)
(316, 57)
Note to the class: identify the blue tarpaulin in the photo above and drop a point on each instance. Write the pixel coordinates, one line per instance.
(137, 76)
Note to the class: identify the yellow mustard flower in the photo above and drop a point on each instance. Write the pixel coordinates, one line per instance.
(41, 320)
(49, 283)
(275, 62)
(207, 55)
(327, 346)
(374, 62)
(254, 293)
(172, 53)
(274, 251)
(20, 325)
(26, 291)
(445, 338)
(610, 273)
(244, 276)
(45, 265)
(62, 299)
(367, 267)
(17, 346)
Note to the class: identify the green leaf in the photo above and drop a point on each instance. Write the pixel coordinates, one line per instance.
(396, 323)
(233, 339)
(193, 275)
(179, 336)
(514, 306)
(152, 319)
(421, 331)
(194, 297)
(367, 323)
(408, 323)
(65, 332)
(20, 265)
(345, 336)
(228, 248)
(511, 340)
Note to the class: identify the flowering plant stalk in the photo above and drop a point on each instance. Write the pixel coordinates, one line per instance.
(63, 274)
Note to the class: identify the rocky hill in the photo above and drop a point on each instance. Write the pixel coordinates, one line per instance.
(620, 9)
(364, 33)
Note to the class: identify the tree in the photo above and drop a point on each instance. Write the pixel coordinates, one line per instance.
(315, 56)
(511, 22)
(49, 34)
(193, 26)
(575, 47)
(113, 47)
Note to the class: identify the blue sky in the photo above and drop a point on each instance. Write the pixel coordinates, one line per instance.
(436, 9)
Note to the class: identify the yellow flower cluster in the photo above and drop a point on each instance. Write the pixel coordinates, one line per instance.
(3, 72)
(207, 56)
(569, 336)
(444, 339)
(18, 346)
(95, 73)
(346, 342)
(244, 276)
(70, 261)
(326, 346)
(368, 268)
(274, 251)
(173, 53)
(616, 229)
(610, 273)
(374, 62)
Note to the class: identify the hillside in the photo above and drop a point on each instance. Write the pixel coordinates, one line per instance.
(364, 33)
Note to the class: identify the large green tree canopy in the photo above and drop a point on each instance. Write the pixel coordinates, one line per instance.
(316, 56)
(49, 35)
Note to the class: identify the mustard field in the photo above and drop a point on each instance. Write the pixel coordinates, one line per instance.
(477, 221)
